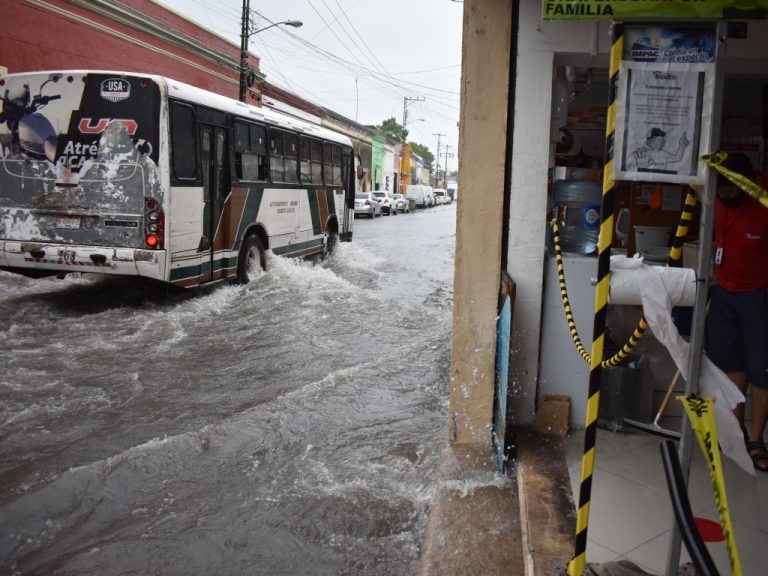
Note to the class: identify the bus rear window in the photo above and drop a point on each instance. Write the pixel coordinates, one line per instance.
(183, 141)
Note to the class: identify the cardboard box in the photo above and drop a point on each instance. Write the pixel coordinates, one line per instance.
(553, 415)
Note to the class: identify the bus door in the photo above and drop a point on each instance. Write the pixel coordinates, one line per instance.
(213, 141)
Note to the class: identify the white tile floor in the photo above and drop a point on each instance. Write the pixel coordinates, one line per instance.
(631, 516)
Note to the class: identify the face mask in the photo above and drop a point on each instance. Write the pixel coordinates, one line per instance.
(734, 200)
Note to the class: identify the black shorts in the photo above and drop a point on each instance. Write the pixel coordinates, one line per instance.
(736, 337)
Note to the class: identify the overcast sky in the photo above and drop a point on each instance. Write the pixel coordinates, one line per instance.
(360, 58)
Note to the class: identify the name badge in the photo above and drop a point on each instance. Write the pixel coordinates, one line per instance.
(719, 256)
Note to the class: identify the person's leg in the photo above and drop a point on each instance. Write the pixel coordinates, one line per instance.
(759, 413)
(723, 338)
(753, 312)
(740, 379)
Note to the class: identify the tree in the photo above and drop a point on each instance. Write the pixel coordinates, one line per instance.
(390, 127)
(424, 153)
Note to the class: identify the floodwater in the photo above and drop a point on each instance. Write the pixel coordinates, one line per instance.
(290, 426)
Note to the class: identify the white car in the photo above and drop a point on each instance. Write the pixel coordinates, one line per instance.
(387, 202)
(441, 197)
(401, 203)
(366, 204)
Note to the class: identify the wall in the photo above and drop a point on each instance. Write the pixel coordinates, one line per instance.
(388, 169)
(138, 36)
(482, 147)
(579, 44)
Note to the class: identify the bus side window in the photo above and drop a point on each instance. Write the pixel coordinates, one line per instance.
(311, 161)
(183, 141)
(317, 162)
(305, 157)
(276, 162)
(291, 150)
(250, 152)
(337, 166)
(258, 154)
(346, 170)
(328, 163)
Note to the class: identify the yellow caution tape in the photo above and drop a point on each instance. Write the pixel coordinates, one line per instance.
(715, 161)
(701, 412)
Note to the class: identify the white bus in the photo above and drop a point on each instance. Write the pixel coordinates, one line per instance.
(140, 175)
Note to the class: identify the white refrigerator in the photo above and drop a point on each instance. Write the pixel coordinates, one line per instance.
(561, 368)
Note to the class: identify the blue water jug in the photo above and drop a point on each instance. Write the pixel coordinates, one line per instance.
(576, 205)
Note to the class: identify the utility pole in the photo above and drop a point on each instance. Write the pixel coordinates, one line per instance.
(445, 167)
(246, 76)
(405, 108)
(244, 34)
(437, 158)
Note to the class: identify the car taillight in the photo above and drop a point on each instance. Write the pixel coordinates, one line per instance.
(367, 203)
(154, 224)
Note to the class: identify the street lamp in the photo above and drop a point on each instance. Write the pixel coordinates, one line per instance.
(245, 33)
(412, 121)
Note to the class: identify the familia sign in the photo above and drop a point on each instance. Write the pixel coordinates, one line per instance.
(628, 9)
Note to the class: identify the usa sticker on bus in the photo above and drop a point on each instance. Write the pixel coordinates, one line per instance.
(115, 89)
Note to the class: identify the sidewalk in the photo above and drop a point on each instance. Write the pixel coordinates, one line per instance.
(484, 523)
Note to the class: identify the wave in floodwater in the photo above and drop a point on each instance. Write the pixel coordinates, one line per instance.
(289, 426)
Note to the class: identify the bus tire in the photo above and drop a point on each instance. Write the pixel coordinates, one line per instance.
(251, 253)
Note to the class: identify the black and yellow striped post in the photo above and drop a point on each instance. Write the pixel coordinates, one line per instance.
(577, 563)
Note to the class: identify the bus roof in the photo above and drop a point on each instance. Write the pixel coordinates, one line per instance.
(176, 89)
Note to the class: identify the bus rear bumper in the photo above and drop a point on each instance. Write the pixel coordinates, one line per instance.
(71, 258)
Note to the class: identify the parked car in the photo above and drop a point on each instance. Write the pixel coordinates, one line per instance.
(401, 203)
(367, 204)
(441, 197)
(386, 201)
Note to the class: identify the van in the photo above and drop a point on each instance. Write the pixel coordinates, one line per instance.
(452, 190)
(421, 194)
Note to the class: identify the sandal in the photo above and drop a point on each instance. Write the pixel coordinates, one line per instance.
(759, 454)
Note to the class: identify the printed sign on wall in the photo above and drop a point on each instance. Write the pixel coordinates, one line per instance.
(663, 111)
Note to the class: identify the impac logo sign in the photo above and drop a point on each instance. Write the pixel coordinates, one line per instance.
(115, 89)
(645, 51)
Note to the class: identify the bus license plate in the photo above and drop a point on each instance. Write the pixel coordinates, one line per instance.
(69, 222)
(67, 255)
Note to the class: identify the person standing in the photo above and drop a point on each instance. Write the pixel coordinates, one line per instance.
(736, 337)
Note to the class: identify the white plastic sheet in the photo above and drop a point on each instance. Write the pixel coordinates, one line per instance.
(657, 293)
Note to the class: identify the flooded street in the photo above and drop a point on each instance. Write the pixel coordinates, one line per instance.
(289, 426)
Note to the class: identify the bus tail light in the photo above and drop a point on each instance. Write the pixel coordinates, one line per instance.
(154, 224)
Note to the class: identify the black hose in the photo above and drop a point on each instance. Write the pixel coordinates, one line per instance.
(697, 550)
